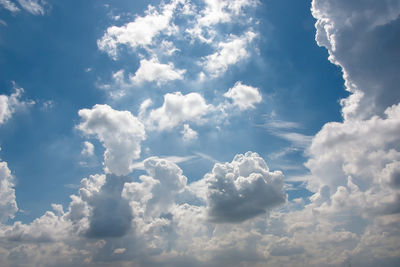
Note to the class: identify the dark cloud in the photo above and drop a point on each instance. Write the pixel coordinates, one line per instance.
(111, 215)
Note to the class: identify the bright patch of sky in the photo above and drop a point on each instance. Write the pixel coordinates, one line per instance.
(199, 133)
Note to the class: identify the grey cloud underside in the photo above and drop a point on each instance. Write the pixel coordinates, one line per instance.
(111, 215)
(243, 189)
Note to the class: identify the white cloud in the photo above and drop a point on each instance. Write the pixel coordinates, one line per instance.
(88, 149)
(141, 31)
(188, 134)
(353, 33)
(242, 189)
(176, 109)
(8, 204)
(10, 104)
(229, 53)
(152, 70)
(36, 7)
(119, 250)
(244, 96)
(10, 6)
(360, 149)
(158, 219)
(120, 132)
(215, 12)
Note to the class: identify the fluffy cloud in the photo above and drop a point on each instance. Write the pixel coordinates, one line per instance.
(141, 31)
(188, 134)
(215, 12)
(111, 214)
(8, 204)
(120, 132)
(242, 189)
(158, 219)
(88, 149)
(244, 96)
(153, 70)
(10, 104)
(229, 53)
(360, 37)
(177, 108)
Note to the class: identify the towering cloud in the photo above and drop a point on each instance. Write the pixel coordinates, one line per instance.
(8, 204)
(120, 132)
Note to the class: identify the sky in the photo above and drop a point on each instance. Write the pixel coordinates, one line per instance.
(199, 133)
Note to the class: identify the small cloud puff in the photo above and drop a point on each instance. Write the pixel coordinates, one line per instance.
(244, 96)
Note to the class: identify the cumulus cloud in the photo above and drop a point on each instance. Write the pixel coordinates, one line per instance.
(152, 70)
(110, 214)
(120, 132)
(226, 218)
(8, 204)
(229, 53)
(177, 108)
(10, 104)
(188, 134)
(242, 189)
(353, 33)
(244, 96)
(155, 194)
(141, 31)
(88, 149)
(216, 12)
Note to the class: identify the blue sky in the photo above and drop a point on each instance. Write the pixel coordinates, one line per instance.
(158, 103)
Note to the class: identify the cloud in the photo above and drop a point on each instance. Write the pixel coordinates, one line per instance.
(111, 214)
(361, 149)
(353, 34)
(88, 149)
(10, 104)
(216, 12)
(155, 195)
(177, 108)
(8, 204)
(141, 31)
(227, 217)
(152, 70)
(10, 6)
(120, 132)
(242, 189)
(229, 53)
(36, 7)
(188, 134)
(244, 96)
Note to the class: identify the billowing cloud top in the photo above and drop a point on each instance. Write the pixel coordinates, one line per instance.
(120, 132)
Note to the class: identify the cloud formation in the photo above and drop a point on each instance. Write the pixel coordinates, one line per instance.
(153, 70)
(8, 204)
(141, 31)
(228, 53)
(10, 104)
(362, 39)
(120, 132)
(10, 6)
(242, 189)
(244, 96)
(177, 108)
